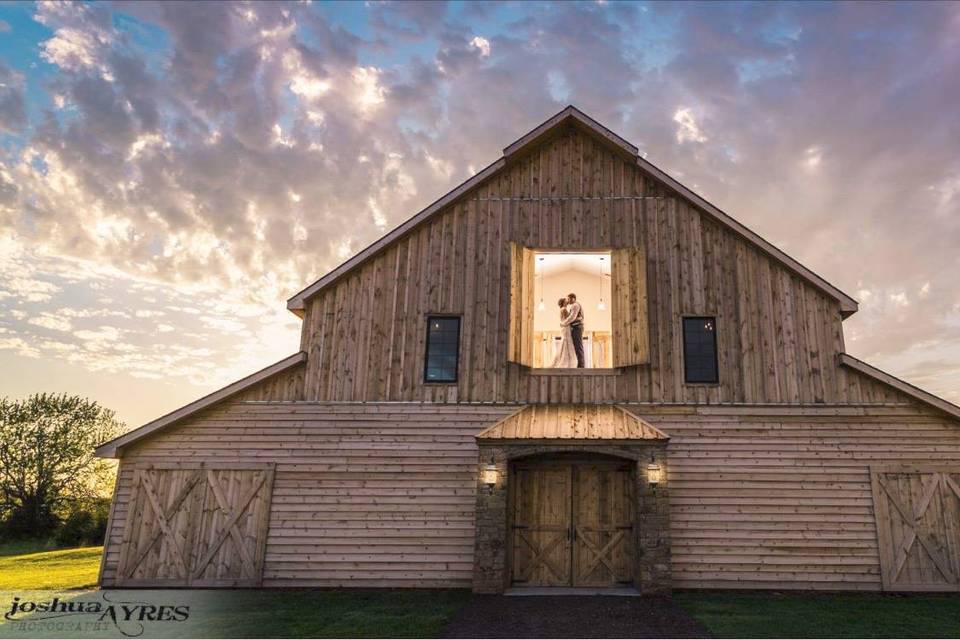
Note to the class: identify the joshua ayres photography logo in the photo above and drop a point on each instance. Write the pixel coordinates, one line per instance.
(129, 617)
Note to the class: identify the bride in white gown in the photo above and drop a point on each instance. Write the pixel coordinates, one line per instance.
(565, 357)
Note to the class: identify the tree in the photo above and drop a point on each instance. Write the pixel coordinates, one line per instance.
(46, 458)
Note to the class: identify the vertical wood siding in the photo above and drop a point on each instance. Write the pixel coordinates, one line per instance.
(765, 499)
(778, 336)
(286, 385)
(363, 495)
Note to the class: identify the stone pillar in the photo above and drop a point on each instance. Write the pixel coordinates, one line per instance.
(653, 525)
(490, 572)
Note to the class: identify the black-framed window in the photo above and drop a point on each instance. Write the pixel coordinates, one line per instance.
(443, 349)
(700, 350)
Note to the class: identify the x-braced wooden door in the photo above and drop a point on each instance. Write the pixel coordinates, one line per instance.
(918, 528)
(603, 534)
(198, 525)
(572, 524)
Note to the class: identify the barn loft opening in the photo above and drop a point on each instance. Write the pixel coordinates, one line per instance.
(588, 276)
(611, 287)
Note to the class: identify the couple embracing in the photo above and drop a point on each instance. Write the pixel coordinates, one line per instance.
(570, 353)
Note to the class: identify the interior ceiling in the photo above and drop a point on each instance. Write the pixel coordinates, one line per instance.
(552, 263)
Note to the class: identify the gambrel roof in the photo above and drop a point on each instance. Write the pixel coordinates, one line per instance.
(573, 116)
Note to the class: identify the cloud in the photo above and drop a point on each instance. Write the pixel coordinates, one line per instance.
(50, 321)
(13, 109)
(482, 45)
(687, 130)
(180, 134)
(81, 36)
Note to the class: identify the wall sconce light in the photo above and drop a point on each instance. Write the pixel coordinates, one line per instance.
(490, 475)
(654, 473)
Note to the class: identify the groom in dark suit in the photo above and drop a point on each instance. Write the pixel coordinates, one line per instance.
(575, 320)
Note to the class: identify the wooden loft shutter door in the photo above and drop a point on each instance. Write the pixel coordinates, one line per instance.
(520, 340)
(628, 294)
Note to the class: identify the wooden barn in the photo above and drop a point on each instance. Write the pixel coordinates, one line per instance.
(717, 436)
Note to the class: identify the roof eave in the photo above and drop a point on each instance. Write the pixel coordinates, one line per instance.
(111, 449)
(916, 393)
(298, 301)
(848, 306)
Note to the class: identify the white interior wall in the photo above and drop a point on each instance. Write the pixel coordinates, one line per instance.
(587, 287)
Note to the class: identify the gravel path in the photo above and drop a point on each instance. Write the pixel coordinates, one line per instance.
(572, 617)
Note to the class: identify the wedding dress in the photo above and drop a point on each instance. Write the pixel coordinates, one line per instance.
(565, 357)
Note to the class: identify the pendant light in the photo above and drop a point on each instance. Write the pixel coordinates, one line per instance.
(540, 305)
(601, 306)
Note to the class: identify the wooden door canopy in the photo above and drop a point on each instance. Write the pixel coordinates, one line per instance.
(918, 528)
(576, 422)
(199, 525)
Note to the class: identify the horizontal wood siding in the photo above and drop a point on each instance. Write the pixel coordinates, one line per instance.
(382, 494)
(766, 498)
(363, 495)
(778, 336)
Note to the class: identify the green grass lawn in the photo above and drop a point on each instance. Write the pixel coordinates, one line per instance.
(266, 613)
(56, 570)
(332, 614)
(261, 613)
(766, 615)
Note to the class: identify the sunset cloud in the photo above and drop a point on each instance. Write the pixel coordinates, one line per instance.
(205, 161)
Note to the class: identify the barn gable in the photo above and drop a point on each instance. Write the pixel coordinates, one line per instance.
(545, 133)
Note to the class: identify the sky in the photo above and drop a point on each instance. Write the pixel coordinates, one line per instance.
(170, 173)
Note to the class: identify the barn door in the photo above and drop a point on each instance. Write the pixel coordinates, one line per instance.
(572, 524)
(520, 345)
(628, 294)
(918, 528)
(196, 525)
(603, 538)
(541, 526)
